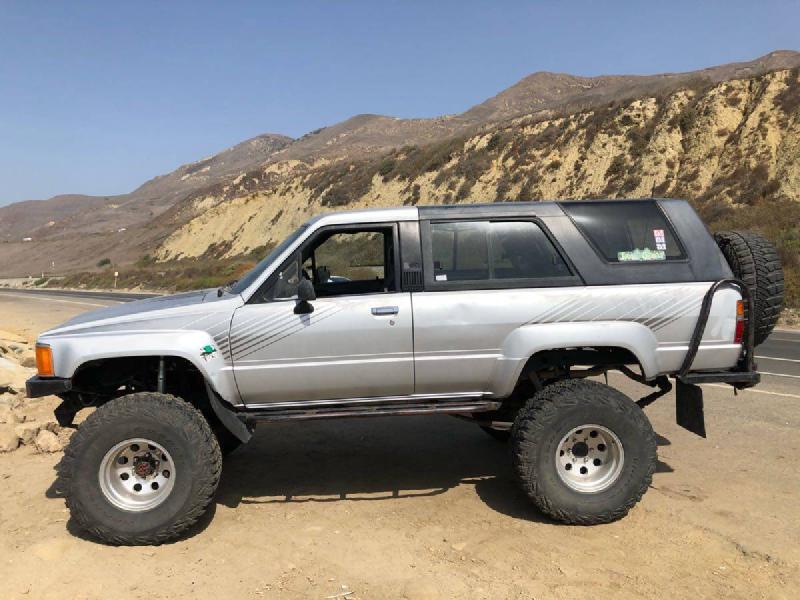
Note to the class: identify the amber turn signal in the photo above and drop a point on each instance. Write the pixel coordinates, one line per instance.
(44, 361)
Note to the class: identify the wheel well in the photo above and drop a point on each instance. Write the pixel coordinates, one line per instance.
(98, 381)
(548, 366)
(559, 363)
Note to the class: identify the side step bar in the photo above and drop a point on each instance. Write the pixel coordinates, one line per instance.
(366, 407)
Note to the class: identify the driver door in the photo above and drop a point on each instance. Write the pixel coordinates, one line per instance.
(357, 342)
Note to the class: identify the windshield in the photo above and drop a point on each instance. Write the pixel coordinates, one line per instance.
(246, 281)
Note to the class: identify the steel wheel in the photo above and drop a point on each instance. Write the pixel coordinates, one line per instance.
(137, 475)
(589, 459)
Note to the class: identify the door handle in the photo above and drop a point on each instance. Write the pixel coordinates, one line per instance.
(380, 311)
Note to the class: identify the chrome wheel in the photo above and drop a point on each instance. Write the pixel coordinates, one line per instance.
(589, 458)
(137, 475)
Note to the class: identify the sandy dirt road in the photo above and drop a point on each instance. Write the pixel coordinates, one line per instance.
(426, 507)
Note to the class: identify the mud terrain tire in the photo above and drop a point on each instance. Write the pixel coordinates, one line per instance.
(755, 261)
(539, 432)
(175, 425)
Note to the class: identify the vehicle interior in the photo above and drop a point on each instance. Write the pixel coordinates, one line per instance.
(351, 261)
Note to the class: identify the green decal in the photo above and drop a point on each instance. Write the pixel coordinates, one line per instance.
(209, 349)
(645, 254)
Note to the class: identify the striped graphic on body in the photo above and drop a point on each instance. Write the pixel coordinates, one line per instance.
(587, 305)
(653, 313)
(255, 334)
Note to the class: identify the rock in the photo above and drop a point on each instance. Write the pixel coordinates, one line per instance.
(13, 376)
(29, 362)
(27, 432)
(7, 415)
(11, 401)
(9, 440)
(7, 336)
(47, 441)
(51, 426)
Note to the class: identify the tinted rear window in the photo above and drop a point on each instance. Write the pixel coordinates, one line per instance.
(500, 250)
(626, 231)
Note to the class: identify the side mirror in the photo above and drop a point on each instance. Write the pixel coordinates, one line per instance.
(305, 293)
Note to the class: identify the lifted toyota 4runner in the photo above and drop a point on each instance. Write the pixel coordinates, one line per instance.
(495, 313)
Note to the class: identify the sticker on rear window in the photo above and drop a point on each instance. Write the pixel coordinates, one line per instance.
(639, 255)
(442, 277)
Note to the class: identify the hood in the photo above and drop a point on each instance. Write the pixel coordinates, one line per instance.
(147, 310)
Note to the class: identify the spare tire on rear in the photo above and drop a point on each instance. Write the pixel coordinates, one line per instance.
(754, 260)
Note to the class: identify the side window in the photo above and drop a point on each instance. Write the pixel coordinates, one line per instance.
(284, 285)
(626, 231)
(493, 250)
(348, 257)
(460, 250)
(339, 262)
(521, 250)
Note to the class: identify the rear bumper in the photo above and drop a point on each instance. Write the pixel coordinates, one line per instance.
(37, 387)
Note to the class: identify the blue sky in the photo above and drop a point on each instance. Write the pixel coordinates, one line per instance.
(97, 97)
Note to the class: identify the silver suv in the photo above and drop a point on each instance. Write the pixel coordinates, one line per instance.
(496, 313)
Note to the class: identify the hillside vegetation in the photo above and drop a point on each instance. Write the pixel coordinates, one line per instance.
(732, 148)
(726, 137)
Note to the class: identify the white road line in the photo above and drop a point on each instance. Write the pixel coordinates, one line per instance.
(755, 391)
(780, 375)
(794, 360)
(52, 299)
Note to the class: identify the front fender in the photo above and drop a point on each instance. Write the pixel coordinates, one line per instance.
(71, 351)
(527, 340)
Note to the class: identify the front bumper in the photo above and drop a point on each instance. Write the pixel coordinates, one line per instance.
(36, 386)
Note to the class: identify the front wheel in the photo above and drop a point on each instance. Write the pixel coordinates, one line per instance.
(141, 469)
(583, 452)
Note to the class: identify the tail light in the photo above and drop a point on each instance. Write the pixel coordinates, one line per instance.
(44, 361)
(739, 335)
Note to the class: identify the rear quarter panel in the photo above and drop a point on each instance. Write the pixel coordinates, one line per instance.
(467, 341)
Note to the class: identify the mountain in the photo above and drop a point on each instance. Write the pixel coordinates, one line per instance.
(727, 137)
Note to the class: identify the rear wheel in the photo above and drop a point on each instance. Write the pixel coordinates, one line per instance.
(755, 261)
(583, 452)
(141, 469)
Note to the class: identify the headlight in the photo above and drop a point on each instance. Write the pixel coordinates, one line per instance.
(44, 360)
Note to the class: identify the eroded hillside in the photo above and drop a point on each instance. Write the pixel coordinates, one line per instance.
(733, 148)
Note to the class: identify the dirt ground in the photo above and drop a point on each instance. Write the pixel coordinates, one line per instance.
(426, 507)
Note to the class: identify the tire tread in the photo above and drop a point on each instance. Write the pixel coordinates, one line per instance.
(135, 406)
(539, 414)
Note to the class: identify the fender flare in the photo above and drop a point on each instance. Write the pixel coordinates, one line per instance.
(524, 342)
(71, 352)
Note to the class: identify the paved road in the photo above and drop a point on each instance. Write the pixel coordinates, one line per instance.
(778, 357)
(114, 296)
(780, 354)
